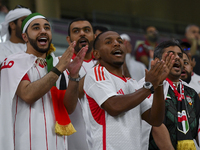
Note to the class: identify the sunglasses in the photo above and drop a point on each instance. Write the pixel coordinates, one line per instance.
(20, 6)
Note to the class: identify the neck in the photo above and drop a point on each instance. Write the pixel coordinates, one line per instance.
(113, 69)
(31, 50)
(88, 56)
(16, 40)
(173, 79)
(153, 44)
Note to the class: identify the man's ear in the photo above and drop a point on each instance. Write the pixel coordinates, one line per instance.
(25, 37)
(68, 40)
(96, 54)
(12, 25)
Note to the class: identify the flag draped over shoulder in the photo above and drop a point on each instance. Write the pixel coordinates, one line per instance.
(63, 124)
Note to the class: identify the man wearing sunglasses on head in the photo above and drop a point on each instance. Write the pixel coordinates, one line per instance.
(11, 28)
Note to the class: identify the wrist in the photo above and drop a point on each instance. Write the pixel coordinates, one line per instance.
(56, 71)
(77, 79)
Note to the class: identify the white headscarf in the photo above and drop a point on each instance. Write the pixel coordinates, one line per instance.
(11, 16)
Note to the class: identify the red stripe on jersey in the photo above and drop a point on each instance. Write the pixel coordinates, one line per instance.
(45, 123)
(103, 73)
(99, 116)
(95, 72)
(30, 126)
(67, 72)
(99, 73)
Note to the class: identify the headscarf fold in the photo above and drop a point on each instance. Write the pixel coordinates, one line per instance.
(11, 16)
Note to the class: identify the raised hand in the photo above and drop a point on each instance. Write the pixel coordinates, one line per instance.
(160, 69)
(169, 62)
(66, 58)
(153, 75)
(75, 65)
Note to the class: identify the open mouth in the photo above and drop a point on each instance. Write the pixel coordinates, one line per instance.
(176, 65)
(183, 73)
(83, 42)
(42, 40)
(117, 52)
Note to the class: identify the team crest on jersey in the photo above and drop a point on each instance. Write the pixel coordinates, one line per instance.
(189, 100)
(183, 125)
(199, 82)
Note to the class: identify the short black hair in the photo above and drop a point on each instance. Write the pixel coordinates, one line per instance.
(186, 55)
(75, 20)
(100, 28)
(96, 39)
(159, 50)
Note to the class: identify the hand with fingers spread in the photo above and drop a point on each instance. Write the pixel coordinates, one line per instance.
(75, 65)
(169, 62)
(66, 58)
(153, 75)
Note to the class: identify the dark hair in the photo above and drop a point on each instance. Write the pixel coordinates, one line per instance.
(75, 20)
(159, 50)
(186, 55)
(100, 28)
(96, 39)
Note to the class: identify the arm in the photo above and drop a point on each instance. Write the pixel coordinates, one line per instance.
(30, 92)
(161, 137)
(116, 104)
(73, 92)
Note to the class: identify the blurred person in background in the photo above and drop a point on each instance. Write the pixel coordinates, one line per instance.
(99, 29)
(11, 27)
(192, 36)
(135, 68)
(144, 52)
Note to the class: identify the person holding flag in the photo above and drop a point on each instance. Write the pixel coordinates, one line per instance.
(32, 113)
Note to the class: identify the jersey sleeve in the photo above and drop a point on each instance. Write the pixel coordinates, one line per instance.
(25, 77)
(98, 85)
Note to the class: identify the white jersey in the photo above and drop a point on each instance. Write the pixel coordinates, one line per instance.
(79, 117)
(122, 132)
(135, 68)
(26, 126)
(7, 48)
(195, 83)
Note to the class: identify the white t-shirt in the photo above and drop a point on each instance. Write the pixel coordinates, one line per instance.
(195, 82)
(135, 68)
(79, 117)
(122, 132)
(7, 48)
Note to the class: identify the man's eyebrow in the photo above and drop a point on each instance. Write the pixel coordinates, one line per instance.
(170, 52)
(108, 38)
(35, 24)
(81, 28)
(47, 24)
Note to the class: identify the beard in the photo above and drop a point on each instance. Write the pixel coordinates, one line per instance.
(19, 33)
(35, 46)
(188, 79)
(153, 38)
(90, 45)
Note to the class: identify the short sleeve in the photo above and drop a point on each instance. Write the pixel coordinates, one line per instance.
(98, 85)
